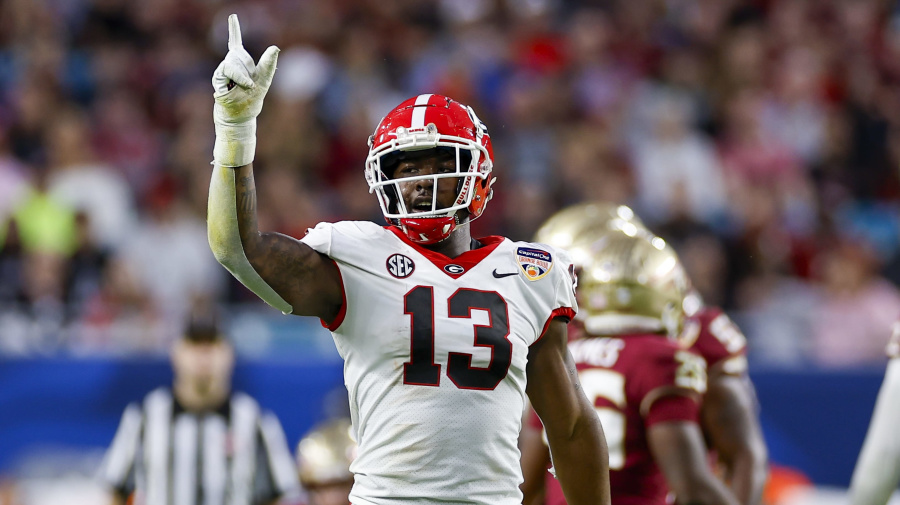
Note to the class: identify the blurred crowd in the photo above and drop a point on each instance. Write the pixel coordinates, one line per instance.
(761, 138)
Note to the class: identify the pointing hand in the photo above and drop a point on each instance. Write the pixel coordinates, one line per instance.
(240, 86)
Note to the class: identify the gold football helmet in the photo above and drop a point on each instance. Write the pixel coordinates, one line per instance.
(565, 227)
(572, 227)
(630, 282)
(325, 453)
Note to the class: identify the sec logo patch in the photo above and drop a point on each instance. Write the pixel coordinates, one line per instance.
(400, 266)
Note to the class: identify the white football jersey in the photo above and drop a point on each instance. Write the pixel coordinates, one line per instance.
(434, 353)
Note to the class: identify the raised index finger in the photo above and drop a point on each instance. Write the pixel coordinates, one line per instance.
(234, 33)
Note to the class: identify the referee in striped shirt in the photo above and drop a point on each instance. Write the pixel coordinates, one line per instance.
(198, 443)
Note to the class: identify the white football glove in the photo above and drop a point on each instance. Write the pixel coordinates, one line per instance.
(240, 87)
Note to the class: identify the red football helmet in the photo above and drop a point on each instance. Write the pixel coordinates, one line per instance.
(429, 122)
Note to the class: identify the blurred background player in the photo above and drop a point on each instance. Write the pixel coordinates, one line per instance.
(198, 442)
(323, 463)
(645, 388)
(878, 467)
(728, 414)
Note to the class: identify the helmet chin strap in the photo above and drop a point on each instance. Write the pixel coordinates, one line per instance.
(431, 230)
(428, 230)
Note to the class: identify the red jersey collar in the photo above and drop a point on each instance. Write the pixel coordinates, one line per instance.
(466, 260)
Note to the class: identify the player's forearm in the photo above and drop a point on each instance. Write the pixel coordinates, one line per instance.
(705, 490)
(689, 477)
(748, 472)
(231, 215)
(232, 229)
(245, 200)
(581, 462)
(730, 419)
(679, 451)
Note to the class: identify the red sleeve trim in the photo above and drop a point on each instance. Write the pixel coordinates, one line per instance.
(673, 407)
(339, 319)
(566, 313)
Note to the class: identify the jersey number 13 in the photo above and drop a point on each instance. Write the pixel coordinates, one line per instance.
(421, 370)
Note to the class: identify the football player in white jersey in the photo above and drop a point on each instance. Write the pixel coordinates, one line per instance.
(438, 330)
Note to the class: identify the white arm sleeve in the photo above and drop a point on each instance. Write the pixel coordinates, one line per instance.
(225, 240)
(878, 467)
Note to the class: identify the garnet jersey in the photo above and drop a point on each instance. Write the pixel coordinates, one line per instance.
(711, 334)
(635, 382)
(435, 351)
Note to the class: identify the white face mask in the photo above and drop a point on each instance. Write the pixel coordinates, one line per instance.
(468, 170)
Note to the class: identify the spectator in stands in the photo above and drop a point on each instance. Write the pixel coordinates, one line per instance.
(77, 179)
(677, 170)
(857, 308)
(166, 255)
(121, 318)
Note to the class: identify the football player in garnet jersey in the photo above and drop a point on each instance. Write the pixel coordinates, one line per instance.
(728, 413)
(878, 467)
(645, 388)
(437, 330)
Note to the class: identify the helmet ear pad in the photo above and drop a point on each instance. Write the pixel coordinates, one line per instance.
(482, 190)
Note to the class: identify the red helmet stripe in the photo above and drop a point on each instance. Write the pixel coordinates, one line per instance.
(418, 115)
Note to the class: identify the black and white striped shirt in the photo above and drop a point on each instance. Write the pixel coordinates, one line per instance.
(166, 455)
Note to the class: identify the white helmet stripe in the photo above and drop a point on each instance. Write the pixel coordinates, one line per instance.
(418, 116)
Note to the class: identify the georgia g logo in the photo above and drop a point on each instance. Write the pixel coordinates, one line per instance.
(400, 266)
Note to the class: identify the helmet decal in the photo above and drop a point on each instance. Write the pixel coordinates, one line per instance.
(418, 114)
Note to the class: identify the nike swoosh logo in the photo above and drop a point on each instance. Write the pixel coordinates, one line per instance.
(500, 276)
